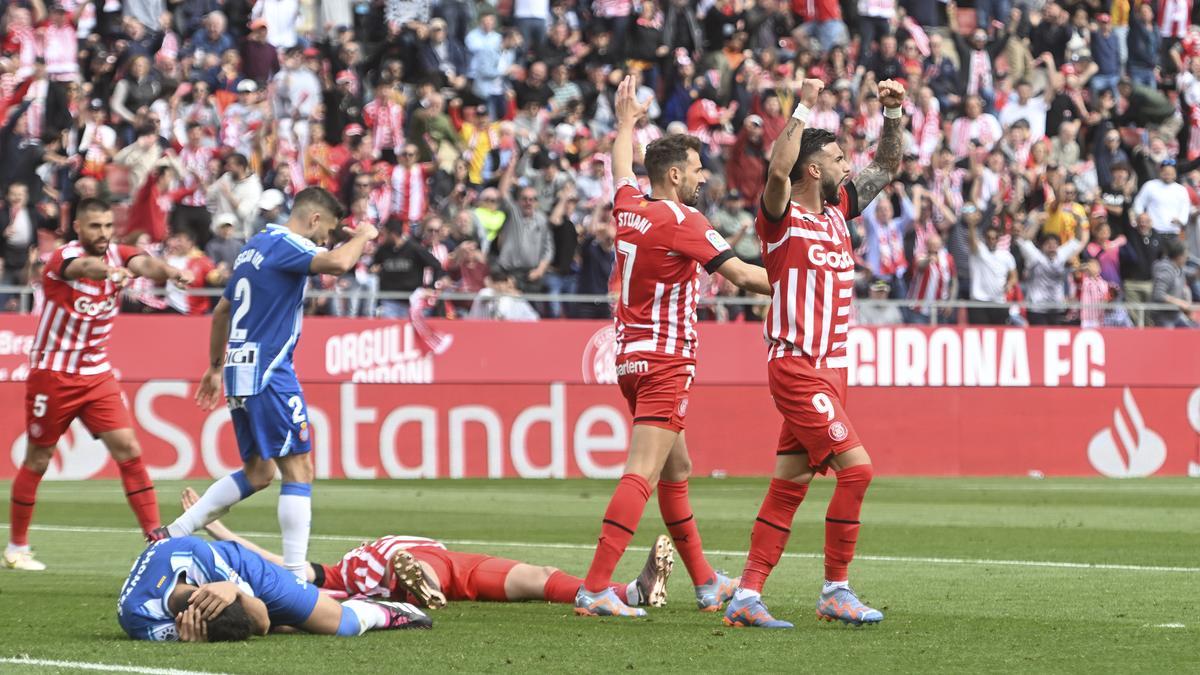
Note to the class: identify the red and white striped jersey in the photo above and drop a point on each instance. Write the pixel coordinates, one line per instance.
(196, 173)
(1174, 17)
(78, 317)
(661, 247)
(984, 129)
(810, 265)
(364, 569)
(933, 274)
(408, 193)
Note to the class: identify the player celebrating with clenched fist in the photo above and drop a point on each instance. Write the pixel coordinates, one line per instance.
(802, 222)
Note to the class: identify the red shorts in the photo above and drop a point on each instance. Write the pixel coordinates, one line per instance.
(656, 389)
(467, 576)
(810, 400)
(53, 400)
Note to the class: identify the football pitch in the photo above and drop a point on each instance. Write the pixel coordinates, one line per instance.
(974, 575)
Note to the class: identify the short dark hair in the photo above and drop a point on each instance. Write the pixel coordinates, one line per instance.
(231, 625)
(239, 159)
(812, 141)
(668, 151)
(318, 198)
(1174, 248)
(93, 204)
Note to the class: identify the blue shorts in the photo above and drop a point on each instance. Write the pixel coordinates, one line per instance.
(272, 423)
(289, 599)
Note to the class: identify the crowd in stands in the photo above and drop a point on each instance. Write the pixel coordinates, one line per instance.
(1052, 150)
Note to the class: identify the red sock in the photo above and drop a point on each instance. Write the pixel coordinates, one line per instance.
(677, 514)
(620, 522)
(562, 587)
(769, 537)
(20, 509)
(841, 520)
(139, 492)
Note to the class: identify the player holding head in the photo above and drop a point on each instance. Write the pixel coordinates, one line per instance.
(425, 573)
(662, 242)
(254, 331)
(189, 590)
(808, 200)
(70, 376)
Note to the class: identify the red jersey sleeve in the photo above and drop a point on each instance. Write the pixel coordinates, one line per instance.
(128, 253)
(696, 239)
(627, 195)
(56, 264)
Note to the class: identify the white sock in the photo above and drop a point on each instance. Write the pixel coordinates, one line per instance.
(13, 549)
(370, 615)
(295, 521)
(632, 597)
(215, 501)
(831, 586)
(743, 594)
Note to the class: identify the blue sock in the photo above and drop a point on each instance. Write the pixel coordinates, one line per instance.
(349, 626)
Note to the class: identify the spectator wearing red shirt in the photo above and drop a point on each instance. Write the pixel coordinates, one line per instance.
(183, 254)
(746, 170)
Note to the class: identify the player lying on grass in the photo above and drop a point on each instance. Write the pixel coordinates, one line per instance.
(424, 572)
(191, 590)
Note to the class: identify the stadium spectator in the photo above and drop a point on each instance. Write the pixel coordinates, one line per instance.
(236, 193)
(1171, 287)
(526, 247)
(993, 273)
(1047, 266)
(224, 247)
(1141, 251)
(401, 262)
(20, 223)
(736, 224)
(501, 301)
(1166, 201)
(182, 254)
(597, 256)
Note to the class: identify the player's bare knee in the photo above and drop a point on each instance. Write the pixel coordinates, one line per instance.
(802, 477)
(37, 458)
(545, 573)
(125, 450)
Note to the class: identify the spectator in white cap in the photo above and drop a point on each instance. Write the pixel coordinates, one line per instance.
(225, 245)
(270, 208)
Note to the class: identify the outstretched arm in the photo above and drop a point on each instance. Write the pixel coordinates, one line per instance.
(890, 148)
(787, 150)
(629, 111)
(746, 276)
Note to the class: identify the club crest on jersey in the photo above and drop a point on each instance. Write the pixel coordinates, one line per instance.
(838, 432)
(304, 432)
(35, 430)
(817, 255)
(683, 407)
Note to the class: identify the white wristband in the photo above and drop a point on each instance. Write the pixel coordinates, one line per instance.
(802, 112)
(893, 113)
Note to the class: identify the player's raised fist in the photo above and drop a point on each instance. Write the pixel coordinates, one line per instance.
(367, 231)
(891, 94)
(810, 89)
(628, 108)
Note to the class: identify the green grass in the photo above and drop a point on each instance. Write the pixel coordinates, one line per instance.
(956, 616)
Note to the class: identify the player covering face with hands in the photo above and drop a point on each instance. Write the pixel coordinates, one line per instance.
(255, 328)
(424, 572)
(662, 244)
(809, 198)
(70, 376)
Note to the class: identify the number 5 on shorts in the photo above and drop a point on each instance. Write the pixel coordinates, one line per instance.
(39, 405)
(824, 406)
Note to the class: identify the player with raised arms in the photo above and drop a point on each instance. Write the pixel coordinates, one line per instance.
(70, 376)
(423, 571)
(255, 327)
(662, 243)
(189, 590)
(808, 201)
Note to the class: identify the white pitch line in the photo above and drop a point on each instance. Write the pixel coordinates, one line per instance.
(106, 667)
(588, 547)
(1170, 625)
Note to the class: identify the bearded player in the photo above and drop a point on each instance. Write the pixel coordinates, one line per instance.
(424, 572)
(809, 199)
(70, 376)
(662, 243)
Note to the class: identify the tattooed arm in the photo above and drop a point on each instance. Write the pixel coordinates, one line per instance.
(778, 190)
(889, 150)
